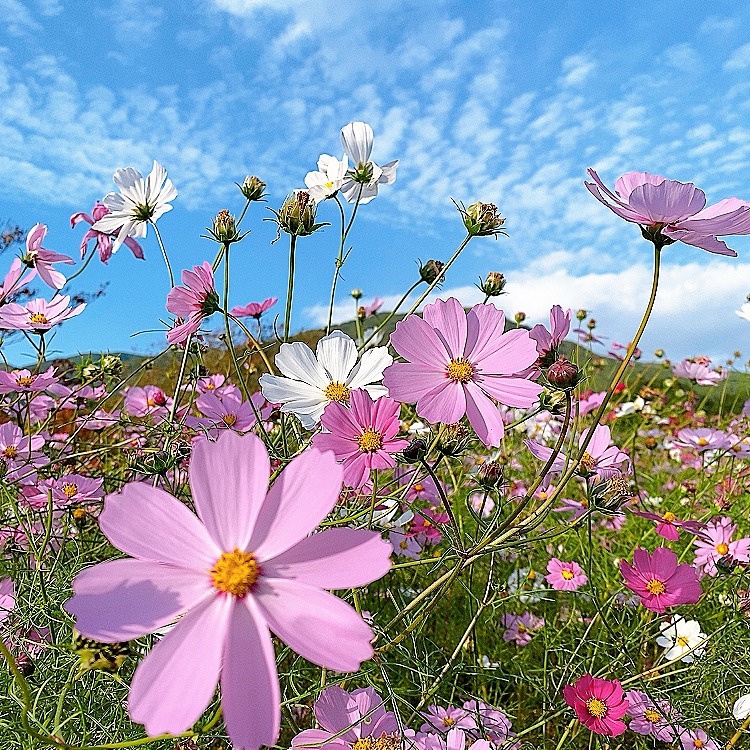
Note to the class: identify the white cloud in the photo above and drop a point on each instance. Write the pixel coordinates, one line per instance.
(577, 70)
(17, 19)
(683, 57)
(739, 59)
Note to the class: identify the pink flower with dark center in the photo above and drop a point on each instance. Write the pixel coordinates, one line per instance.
(599, 704)
(147, 401)
(73, 488)
(24, 381)
(244, 565)
(193, 302)
(520, 628)
(565, 576)
(548, 341)
(103, 240)
(439, 719)
(461, 364)
(38, 315)
(659, 580)
(655, 718)
(672, 211)
(715, 541)
(254, 309)
(699, 372)
(362, 435)
(668, 525)
(42, 259)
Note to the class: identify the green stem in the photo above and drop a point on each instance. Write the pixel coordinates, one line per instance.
(290, 287)
(164, 253)
(391, 313)
(227, 328)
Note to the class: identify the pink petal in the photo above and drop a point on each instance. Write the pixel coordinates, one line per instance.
(229, 479)
(516, 392)
(704, 242)
(449, 320)
(300, 498)
(408, 382)
(317, 625)
(484, 416)
(416, 340)
(667, 202)
(625, 185)
(176, 681)
(124, 599)
(444, 403)
(250, 699)
(148, 523)
(508, 354)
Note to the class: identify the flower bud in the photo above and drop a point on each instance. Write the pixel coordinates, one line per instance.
(224, 227)
(25, 665)
(361, 313)
(431, 271)
(491, 475)
(297, 214)
(552, 401)
(415, 451)
(659, 353)
(591, 324)
(482, 219)
(356, 294)
(519, 317)
(562, 374)
(493, 285)
(453, 439)
(581, 314)
(253, 188)
(726, 564)
(612, 493)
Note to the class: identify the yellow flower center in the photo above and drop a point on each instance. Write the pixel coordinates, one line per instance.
(722, 548)
(210, 386)
(682, 641)
(448, 722)
(521, 628)
(69, 489)
(588, 463)
(370, 440)
(363, 743)
(669, 516)
(567, 574)
(235, 572)
(79, 514)
(26, 380)
(150, 402)
(460, 370)
(650, 715)
(596, 707)
(418, 487)
(328, 185)
(656, 587)
(10, 451)
(337, 392)
(229, 419)
(698, 743)
(38, 318)
(702, 441)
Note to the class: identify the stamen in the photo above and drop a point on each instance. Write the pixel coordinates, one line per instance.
(337, 392)
(596, 707)
(460, 370)
(235, 572)
(370, 440)
(656, 587)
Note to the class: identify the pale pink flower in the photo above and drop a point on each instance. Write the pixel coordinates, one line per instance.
(227, 410)
(38, 315)
(373, 307)
(548, 341)
(520, 628)
(13, 282)
(74, 488)
(703, 439)
(103, 240)
(243, 565)
(24, 381)
(697, 739)
(591, 402)
(254, 309)
(565, 576)
(459, 364)
(7, 598)
(147, 401)
(655, 718)
(715, 541)
(439, 719)
(404, 544)
(699, 372)
(20, 454)
(672, 211)
(43, 260)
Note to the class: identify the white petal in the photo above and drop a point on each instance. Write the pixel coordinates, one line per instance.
(370, 367)
(296, 360)
(338, 354)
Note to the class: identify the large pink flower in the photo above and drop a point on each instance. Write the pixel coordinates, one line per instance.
(675, 211)
(599, 704)
(715, 542)
(457, 363)
(103, 239)
(548, 341)
(659, 580)
(193, 302)
(362, 436)
(42, 259)
(38, 315)
(243, 566)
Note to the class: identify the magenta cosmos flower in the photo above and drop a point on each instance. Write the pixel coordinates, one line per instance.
(38, 315)
(43, 260)
(673, 211)
(193, 302)
(461, 364)
(103, 240)
(548, 341)
(659, 581)
(668, 525)
(243, 566)
(565, 576)
(599, 704)
(362, 436)
(254, 309)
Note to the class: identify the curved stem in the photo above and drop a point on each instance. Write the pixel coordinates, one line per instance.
(164, 253)
(339, 263)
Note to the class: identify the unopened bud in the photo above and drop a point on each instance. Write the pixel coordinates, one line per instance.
(562, 374)
(491, 475)
(361, 313)
(297, 214)
(482, 219)
(431, 271)
(224, 227)
(612, 493)
(493, 285)
(591, 324)
(415, 451)
(253, 188)
(659, 353)
(519, 317)
(453, 439)
(726, 564)
(25, 665)
(581, 314)
(356, 293)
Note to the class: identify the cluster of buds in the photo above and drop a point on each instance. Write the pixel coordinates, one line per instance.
(297, 215)
(252, 188)
(108, 366)
(493, 285)
(431, 271)
(482, 219)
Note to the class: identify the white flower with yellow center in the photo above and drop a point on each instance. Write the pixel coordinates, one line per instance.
(329, 178)
(679, 637)
(309, 382)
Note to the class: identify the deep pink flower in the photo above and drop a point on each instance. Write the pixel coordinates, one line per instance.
(703, 439)
(548, 341)
(520, 628)
(699, 372)
(254, 309)
(565, 576)
(659, 580)
(715, 541)
(420, 488)
(675, 211)
(668, 525)
(243, 565)
(458, 363)
(103, 239)
(599, 704)
(362, 435)
(42, 259)
(24, 381)
(196, 300)
(655, 718)
(147, 401)
(38, 315)
(13, 282)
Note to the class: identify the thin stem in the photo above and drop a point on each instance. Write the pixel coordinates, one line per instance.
(391, 313)
(227, 327)
(163, 252)
(290, 287)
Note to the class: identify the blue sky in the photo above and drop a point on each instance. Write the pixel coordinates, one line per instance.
(507, 102)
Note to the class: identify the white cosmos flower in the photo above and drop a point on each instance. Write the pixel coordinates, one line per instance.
(744, 311)
(329, 178)
(741, 708)
(363, 179)
(138, 202)
(308, 381)
(678, 636)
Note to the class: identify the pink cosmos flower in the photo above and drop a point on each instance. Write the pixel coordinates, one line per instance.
(587, 337)
(196, 300)
(602, 459)
(599, 704)
(489, 723)
(20, 454)
(13, 282)
(659, 580)
(740, 446)
(565, 576)
(520, 628)
(425, 525)
(362, 436)
(38, 315)
(24, 381)
(439, 719)
(699, 372)
(103, 239)
(147, 401)
(668, 525)
(673, 211)
(373, 307)
(715, 541)
(617, 348)
(697, 739)
(212, 383)
(99, 419)
(348, 718)
(227, 411)
(73, 488)
(548, 341)
(482, 504)
(254, 309)
(421, 488)
(243, 565)
(458, 363)
(591, 402)
(404, 544)
(655, 718)
(703, 439)
(42, 259)
(7, 597)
